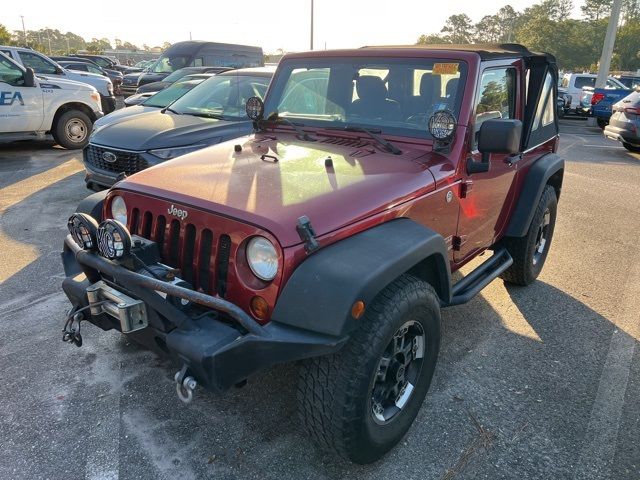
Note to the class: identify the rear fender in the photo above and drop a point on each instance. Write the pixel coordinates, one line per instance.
(547, 170)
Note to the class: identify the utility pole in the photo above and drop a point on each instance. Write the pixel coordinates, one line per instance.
(311, 40)
(49, 39)
(24, 31)
(609, 41)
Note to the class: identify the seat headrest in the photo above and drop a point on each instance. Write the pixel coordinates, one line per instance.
(371, 87)
(452, 87)
(429, 84)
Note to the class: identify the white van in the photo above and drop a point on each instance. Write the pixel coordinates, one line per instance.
(573, 83)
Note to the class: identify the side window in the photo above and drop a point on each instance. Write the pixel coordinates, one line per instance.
(92, 69)
(497, 95)
(545, 110)
(10, 74)
(38, 63)
(79, 66)
(197, 62)
(585, 82)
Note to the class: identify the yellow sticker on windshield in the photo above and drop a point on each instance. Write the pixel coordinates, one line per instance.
(445, 68)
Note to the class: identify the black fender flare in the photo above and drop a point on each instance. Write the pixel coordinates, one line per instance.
(92, 205)
(321, 292)
(538, 176)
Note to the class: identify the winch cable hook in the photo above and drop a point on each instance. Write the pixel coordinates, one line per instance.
(70, 333)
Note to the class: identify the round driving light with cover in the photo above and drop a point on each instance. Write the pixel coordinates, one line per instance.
(83, 229)
(262, 258)
(114, 240)
(442, 125)
(254, 108)
(119, 209)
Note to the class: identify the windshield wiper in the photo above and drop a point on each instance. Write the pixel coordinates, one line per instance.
(207, 115)
(388, 146)
(302, 135)
(167, 108)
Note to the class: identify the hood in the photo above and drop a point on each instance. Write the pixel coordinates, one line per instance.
(153, 87)
(361, 181)
(85, 76)
(132, 78)
(63, 84)
(149, 77)
(162, 130)
(122, 113)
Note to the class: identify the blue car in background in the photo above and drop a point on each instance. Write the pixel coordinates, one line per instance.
(600, 101)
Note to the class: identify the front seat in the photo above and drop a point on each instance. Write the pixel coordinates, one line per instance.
(373, 101)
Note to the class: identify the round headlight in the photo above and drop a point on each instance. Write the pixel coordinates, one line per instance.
(114, 240)
(262, 258)
(83, 229)
(442, 125)
(119, 209)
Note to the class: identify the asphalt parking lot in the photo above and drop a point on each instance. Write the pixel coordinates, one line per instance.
(536, 382)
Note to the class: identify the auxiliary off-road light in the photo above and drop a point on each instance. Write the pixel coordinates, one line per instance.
(254, 108)
(442, 124)
(114, 240)
(83, 229)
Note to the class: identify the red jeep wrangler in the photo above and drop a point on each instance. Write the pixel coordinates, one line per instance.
(330, 235)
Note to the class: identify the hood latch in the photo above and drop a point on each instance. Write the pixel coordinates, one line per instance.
(307, 234)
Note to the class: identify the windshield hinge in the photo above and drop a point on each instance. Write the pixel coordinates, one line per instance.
(307, 234)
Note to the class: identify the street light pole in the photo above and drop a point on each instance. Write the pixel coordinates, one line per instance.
(311, 39)
(609, 41)
(24, 31)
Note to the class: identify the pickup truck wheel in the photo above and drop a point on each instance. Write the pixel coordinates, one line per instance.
(630, 147)
(362, 400)
(530, 252)
(72, 130)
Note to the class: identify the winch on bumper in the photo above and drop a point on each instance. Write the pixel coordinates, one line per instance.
(219, 349)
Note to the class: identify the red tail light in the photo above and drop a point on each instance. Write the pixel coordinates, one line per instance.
(597, 97)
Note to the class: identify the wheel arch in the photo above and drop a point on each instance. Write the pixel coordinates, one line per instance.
(92, 205)
(84, 108)
(320, 293)
(548, 170)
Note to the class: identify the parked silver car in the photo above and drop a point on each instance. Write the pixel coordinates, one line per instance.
(624, 124)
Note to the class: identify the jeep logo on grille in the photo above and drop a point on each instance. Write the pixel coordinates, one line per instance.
(109, 157)
(176, 212)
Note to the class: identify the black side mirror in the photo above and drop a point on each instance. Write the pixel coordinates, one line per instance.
(496, 136)
(59, 71)
(29, 78)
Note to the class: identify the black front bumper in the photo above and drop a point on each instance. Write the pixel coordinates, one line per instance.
(218, 351)
(108, 104)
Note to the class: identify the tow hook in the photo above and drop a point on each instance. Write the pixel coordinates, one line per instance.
(71, 330)
(185, 385)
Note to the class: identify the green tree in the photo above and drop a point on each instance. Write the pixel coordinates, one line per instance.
(626, 55)
(458, 29)
(5, 36)
(433, 39)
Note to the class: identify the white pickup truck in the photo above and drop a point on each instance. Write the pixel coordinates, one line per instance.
(31, 106)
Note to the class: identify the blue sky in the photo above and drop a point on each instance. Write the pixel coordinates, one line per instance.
(271, 24)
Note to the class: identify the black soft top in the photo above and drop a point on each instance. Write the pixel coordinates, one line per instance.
(486, 51)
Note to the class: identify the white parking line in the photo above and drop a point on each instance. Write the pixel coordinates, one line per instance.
(600, 439)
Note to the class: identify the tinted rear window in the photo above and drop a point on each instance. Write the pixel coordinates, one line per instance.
(585, 82)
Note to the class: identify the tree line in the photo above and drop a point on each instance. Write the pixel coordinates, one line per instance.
(54, 42)
(547, 26)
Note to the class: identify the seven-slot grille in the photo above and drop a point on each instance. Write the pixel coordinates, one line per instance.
(127, 162)
(202, 255)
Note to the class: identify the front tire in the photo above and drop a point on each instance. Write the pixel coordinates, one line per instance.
(631, 148)
(361, 401)
(72, 130)
(530, 252)
(602, 123)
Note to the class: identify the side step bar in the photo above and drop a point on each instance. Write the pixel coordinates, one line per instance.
(469, 286)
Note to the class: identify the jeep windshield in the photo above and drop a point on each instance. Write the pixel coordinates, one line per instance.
(392, 96)
(223, 96)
